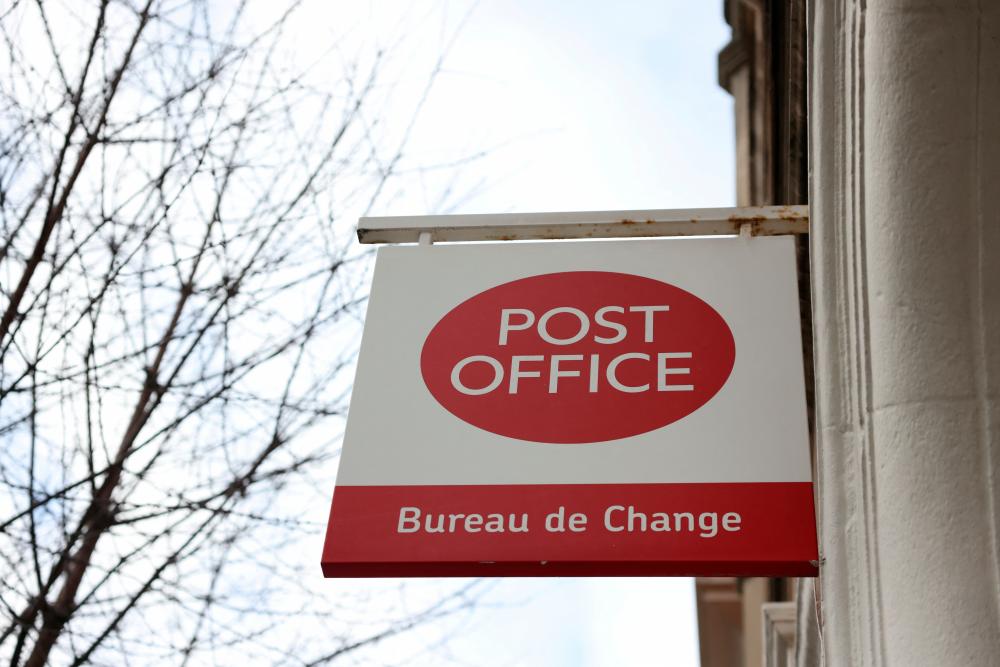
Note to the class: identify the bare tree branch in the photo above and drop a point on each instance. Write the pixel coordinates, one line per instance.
(179, 315)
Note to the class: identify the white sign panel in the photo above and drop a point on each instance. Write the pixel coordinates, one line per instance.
(628, 407)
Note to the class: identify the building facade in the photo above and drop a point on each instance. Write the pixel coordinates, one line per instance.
(883, 116)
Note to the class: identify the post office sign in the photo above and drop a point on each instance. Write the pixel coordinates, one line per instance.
(586, 408)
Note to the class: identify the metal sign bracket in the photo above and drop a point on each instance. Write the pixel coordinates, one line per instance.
(742, 221)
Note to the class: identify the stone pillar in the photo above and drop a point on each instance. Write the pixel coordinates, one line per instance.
(905, 196)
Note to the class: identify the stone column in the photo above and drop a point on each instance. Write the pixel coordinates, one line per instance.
(905, 192)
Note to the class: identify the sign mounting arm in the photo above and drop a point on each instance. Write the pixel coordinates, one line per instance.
(757, 220)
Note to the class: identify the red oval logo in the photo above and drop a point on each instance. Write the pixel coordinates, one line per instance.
(577, 357)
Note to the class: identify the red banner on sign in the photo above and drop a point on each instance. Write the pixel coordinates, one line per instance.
(572, 530)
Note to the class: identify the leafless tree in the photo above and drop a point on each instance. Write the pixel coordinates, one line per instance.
(180, 298)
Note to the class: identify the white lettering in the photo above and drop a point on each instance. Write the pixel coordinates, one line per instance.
(618, 518)
(409, 520)
(648, 322)
(662, 371)
(506, 326)
(578, 522)
(613, 378)
(543, 330)
(523, 528)
(683, 515)
(634, 517)
(439, 528)
(456, 373)
(555, 373)
(608, 324)
(709, 524)
(554, 523)
(494, 523)
(473, 523)
(412, 520)
(660, 523)
(611, 528)
(515, 369)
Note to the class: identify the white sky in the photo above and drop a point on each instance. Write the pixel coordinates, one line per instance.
(595, 105)
(586, 105)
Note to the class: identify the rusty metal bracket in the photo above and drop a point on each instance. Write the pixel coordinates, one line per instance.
(752, 221)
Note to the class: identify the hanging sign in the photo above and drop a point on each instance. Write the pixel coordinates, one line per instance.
(590, 408)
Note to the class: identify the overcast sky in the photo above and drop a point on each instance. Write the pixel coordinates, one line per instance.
(594, 105)
(584, 105)
(558, 106)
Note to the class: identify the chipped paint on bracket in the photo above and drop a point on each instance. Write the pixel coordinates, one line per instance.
(765, 221)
